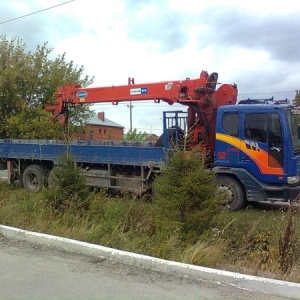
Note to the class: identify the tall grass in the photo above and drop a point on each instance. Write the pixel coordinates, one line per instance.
(246, 241)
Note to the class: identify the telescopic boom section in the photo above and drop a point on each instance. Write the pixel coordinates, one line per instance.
(200, 95)
(187, 92)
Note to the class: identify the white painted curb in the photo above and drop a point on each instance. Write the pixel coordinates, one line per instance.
(265, 285)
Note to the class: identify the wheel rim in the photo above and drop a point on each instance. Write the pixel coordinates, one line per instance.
(32, 181)
(228, 195)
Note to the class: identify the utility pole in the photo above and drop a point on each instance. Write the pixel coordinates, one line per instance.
(130, 81)
(130, 108)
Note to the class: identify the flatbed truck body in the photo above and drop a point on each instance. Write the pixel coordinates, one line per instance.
(109, 164)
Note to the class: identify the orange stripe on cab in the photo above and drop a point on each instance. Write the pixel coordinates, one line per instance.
(258, 155)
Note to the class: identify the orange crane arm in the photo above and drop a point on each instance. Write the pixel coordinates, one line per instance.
(187, 92)
(199, 95)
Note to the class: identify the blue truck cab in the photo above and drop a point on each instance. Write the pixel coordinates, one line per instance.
(257, 152)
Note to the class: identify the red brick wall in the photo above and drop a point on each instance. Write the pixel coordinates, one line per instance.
(101, 133)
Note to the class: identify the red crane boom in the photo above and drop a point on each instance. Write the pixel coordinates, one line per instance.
(200, 95)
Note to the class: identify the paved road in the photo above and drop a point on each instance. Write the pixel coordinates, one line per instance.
(34, 271)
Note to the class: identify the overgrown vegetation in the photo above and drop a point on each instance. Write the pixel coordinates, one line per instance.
(182, 222)
(67, 189)
(134, 135)
(289, 245)
(247, 241)
(28, 81)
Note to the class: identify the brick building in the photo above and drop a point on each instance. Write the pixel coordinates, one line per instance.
(100, 128)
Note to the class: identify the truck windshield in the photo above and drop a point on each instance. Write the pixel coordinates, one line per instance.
(293, 116)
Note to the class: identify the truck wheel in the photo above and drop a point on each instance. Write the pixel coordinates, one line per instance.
(34, 178)
(234, 196)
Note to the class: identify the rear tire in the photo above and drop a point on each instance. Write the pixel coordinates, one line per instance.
(234, 198)
(34, 178)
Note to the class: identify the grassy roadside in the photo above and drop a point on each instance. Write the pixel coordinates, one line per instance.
(253, 241)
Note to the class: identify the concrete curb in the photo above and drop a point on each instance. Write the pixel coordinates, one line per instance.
(264, 285)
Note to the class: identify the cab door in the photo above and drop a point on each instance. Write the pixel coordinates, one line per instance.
(275, 141)
(262, 151)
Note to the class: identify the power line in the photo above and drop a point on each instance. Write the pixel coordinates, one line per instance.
(36, 12)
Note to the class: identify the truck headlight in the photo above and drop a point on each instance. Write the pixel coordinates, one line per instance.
(293, 179)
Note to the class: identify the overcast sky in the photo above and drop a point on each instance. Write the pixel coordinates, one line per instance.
(255, 44)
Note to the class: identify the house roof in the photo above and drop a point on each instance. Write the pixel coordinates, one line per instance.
(94, 120)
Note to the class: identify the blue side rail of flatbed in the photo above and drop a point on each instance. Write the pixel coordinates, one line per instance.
(102, 152)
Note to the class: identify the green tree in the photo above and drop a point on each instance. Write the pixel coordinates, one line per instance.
(31, 123)
(133, 135)
(297, 98)
(185, 193)
(28, 81)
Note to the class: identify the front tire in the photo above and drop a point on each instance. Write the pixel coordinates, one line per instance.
(34, 178)
(234, 195)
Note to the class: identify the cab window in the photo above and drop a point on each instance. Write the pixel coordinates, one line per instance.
(230, 123)
(256, 127)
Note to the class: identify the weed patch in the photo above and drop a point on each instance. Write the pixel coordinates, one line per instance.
(252, 241)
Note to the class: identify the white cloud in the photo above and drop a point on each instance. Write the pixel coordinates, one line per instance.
(254, 44)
